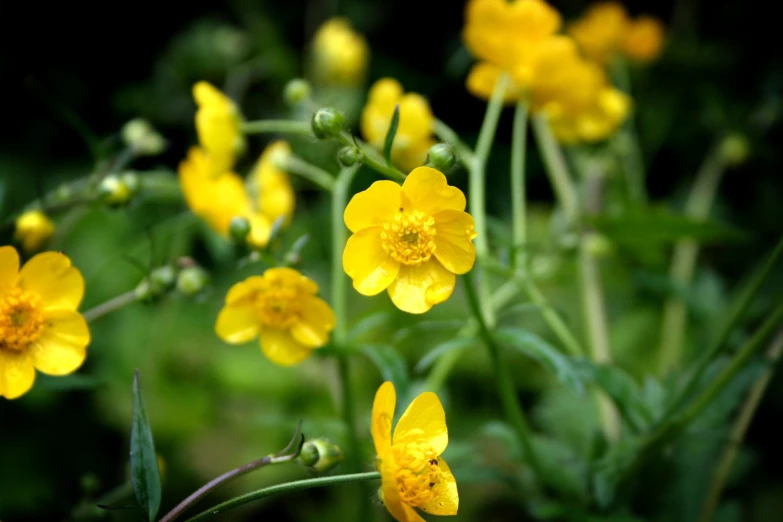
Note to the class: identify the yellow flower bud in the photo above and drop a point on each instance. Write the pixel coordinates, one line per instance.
(33, 230)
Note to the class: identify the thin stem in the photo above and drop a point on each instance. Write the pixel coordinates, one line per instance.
(556, 323)
(739, 430)
(628, 139)
(508, 395)
(298, 485)
(317, 175)
(115, 303)
(370, 157)
(518, 213)
(556, 167)
(447, 135)
(276, 127)
(698, 207)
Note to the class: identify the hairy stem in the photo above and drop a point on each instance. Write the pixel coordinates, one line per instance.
(113, 304)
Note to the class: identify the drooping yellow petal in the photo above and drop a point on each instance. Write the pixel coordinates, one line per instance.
(17, 373)
(52, 276)
(426, 190)
(374, 206)
(446, 501)
(61, 349)
(424, 420)
(382, 415)
(281, 348)
(367, 263)
(316, 322)
(9, 266)
(237, 324)
(418, 288)
(454, 240)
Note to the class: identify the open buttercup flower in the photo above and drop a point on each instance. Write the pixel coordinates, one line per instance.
(281, 308)
(218, 123)
(410, 240)
(40, 327)
(413, 473)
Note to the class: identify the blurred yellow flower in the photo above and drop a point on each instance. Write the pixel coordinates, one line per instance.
(220, 198)
(414, 131)
(40, 327)
(340, 55)
(600, 30)
(413, 473)
(218, 127)
(33, 230)
(281, 308)
(643, 38)
(409, 240)
(482, 79)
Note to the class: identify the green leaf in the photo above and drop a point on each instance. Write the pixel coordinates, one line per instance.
(612, 467)
(391, 365)
(544, 353)
(423, 327)
(367, 324)
(434, 354)
(145, 475)
(392, 132)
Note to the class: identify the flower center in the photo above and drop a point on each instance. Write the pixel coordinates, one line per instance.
(409, 237)
(278, 305)
(21, 320)
(417, 473)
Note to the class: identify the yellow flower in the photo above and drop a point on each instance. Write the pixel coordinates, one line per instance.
(281, 308)
(33, 229)
(414, 131)
(482, 79)
(217, 125)
(413, 473)
(600, 30)
(643, 38)
(219, 198)
(340, 54)
(409, 240)
(40, 327)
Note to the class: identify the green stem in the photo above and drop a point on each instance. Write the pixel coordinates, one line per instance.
(518, 213)
(556, 168)
(556, 323)
(288, 487)
(113, 304)
(371, 158)
(628, 139)
(739, 430)
(276, 127)
(447, 135)
(675, 313)
(317, 175)
(506, 389)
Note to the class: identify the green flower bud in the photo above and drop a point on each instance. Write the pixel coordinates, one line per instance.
(192, 280)
(599, 245)
(239, 229)
(440, 157)
(142, 138)
(735, 149)
(114, 191)
(320, 455)
(349, 156)
(131, 180)
(327, 123)
(296, 91)
(157, 283)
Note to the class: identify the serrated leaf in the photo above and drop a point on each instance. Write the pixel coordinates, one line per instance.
(367, 324)
(145, 475)
(544, 353)
(390, 134)
(433, 355)
(391, 365)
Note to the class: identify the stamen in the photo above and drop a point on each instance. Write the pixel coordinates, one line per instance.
(409, 237)
(21, 320)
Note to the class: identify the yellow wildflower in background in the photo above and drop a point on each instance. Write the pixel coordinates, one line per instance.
(600, 30)
(33, 230)
(218, 127)
(643, 39)
(340, 54)
(282, 309)
(40, 327)
(413, 473)
(275, 195)
(414, 131)
(409, 240)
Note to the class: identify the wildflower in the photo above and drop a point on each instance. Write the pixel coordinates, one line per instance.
(281, 308)
(600, 31)
(274, 194)
(33, 230)
(413, 473)
(40, 328)
(218, 127)
(643, 39)
(340, 55)
(414, 130)
(409, 240)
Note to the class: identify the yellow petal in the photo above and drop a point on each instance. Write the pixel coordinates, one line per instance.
(260, 229)
(446, 501)
(17, 373)
(51, 276)
(374, 206)
(416, 119)
(424, 419)
(367, 263)
(481, 83)
(61, 348)
(390, 495)
(9, 266)
(454, 240)
(316, 323)
(382, 415)
(244, 290)
(237, 324)
(425, 189)
(291, 277)
(418, 287)
(411, 515)
(281, 348)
